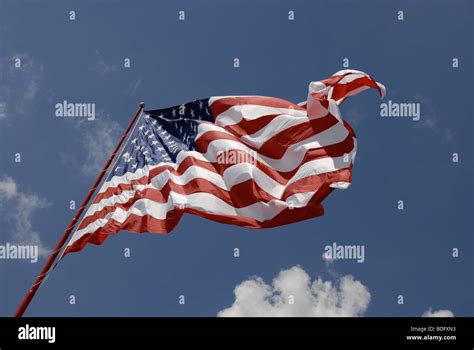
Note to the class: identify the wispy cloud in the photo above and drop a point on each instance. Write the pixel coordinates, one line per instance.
(354, 116)
(20, 85)
(438, 313)
(20, 207)
(97, 140)
(328, 260)
(2, 110)
(430, 120)
(135, 85)
(293, 294)
(104, 68)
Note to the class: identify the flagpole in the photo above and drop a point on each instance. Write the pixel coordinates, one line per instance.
(40, 278)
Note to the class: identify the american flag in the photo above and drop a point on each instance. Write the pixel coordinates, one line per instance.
(251, 161)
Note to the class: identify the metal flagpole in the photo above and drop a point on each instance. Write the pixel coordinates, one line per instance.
(42, 275)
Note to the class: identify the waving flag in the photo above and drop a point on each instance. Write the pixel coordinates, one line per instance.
(251, 161)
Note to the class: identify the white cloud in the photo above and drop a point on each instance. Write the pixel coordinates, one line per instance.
(7, 188)
(438, 313)
(22, 207)
(255, 298)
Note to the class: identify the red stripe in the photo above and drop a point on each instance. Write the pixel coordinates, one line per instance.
(322, 98)
(309, 183)
(276, 146)
(334, 79)
(250, 126)
(341, 90)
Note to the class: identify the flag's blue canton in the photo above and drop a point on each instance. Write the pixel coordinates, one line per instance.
(160, 135)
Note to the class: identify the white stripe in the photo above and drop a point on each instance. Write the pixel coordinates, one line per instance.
(205, 127)
(341, 185)
(235, 114)
(273, 128)
(321, 166)
(129, 177)
(382, 88)
(352, 71)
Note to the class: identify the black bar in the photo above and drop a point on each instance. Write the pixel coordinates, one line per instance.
(355, 331)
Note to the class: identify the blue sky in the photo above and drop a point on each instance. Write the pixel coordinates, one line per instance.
(407, 252)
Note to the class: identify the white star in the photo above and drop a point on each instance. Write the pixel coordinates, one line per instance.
(154, 142)
(141, 127)
(146, 132)
(117, 168)
(134, 166)
(134, 140)
(174, 112)
(162, 116)
(192, 113)
(145, 153)
(151, 136)
(154, 122)
(126, 155)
